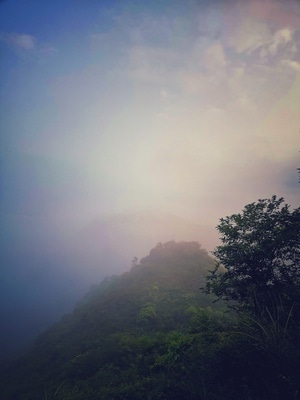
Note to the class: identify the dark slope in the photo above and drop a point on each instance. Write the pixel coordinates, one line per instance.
(140, 308)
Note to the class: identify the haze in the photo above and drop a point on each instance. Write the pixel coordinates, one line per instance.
(128, 123)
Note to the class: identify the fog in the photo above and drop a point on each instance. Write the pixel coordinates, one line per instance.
(46, 269)
(123, 125)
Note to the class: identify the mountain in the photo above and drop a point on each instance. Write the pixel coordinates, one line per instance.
(47, 269)
(119, 332)
(118, 238)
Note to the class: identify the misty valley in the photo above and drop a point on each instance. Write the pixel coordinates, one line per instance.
(178, 325)
(46, 271)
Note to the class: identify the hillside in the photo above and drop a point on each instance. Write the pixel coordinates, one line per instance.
(124, 317)
(116, 238)
(152, 334)
(53, 268)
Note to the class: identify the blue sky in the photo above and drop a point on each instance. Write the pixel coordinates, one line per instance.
(106, 106)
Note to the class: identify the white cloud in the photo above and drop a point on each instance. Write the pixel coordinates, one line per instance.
(294, 65)
(280, 39)
(22, 41)
(249, 36)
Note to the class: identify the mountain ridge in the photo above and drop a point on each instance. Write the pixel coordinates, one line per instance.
(61, 268)
(160, 294)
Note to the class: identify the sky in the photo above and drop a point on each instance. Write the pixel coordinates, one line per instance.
(106, 107)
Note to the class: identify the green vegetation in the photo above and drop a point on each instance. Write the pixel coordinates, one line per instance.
(153, 334)
(260, 251)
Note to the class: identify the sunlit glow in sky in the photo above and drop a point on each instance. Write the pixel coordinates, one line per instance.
(185, 106)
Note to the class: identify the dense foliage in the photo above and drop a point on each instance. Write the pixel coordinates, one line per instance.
(152, 334)
(261, 253)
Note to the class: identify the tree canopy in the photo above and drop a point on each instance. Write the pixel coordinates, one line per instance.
(260, 251)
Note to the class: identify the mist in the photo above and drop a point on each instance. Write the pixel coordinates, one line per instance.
(126, 125)
(47, 269)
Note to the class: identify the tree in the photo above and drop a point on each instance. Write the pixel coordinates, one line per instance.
(258, 274)
(260, 251)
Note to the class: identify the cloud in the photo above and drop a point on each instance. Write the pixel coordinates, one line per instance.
(248, 36)
(214, 57)
(28, 44)
(266, 29)
(294, 65)
(234, 71)
(254, 36)
(21, 41)
(152, 64)
(280, 38)
(281, 45)
(194, 107)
